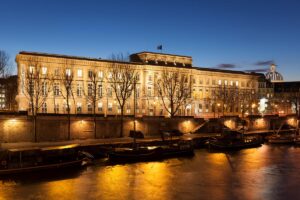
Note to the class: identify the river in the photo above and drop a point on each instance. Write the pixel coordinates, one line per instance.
(267, 172)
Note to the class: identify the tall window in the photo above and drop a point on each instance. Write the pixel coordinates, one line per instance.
(79, 73)
(90, 73)
(79, 107)
(100, 106)
(219, 82)
(90, 108)
(44, 70)
(44, 107)
(100, 74)
(31, 69)
(109, 92)
(68, 72)
(207, 81)
(109, 106)
(100, 90)
(149, 91)
(56, 108)
(56, 89)
(90, 89)
(56, 72)
(137, 92)
(79, 89)
(44, 88)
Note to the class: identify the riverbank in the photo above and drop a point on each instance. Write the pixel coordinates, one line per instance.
(104, 142)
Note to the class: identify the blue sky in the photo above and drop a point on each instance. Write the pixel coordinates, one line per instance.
(243, 34)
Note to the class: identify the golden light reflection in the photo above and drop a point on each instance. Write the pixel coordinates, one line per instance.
(62, 189)
(144, 179)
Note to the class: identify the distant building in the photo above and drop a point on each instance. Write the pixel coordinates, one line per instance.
(204, 82)
(273, 75)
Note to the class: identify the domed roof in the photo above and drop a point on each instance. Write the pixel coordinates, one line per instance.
(273, 75)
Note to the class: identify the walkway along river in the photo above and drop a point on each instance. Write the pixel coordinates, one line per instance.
(267, 172)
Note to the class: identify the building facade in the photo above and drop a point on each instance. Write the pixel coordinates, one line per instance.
(214, 92)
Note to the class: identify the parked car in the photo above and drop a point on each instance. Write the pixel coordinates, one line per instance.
(138, 134)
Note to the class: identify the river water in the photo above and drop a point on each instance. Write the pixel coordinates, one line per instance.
(267, 172)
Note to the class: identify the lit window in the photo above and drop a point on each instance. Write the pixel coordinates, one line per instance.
(90, 74)
(79, 89)
(44, 108)
(90, 89)
(56, 108)
(31, 69)
(68, 72)
(231, 83)
(237, 83)
(225, 82)
(79, 107)
(100, 90)
(44, 70)
(220, 82)
(90, 108)
(100, 74)
(100, 106)
(109, 106)
(79, 73)
(56, 72)
(149, 91)
(56, 89)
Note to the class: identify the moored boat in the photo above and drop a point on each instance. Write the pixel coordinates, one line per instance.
(281, 139)
(134, 154)
(24, 160)
(233, 140)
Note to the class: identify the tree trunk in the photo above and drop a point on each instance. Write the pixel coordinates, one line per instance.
(69, 121)
(122, 115)
(35, 129)
(95, 126)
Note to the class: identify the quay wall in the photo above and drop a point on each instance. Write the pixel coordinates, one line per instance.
(19, 128)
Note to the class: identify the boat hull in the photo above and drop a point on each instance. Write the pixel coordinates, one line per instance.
(48, 167)
(223, 146)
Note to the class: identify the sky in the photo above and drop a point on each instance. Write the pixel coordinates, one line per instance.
(227, 34)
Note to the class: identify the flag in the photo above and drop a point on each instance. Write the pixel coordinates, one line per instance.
(159, 47)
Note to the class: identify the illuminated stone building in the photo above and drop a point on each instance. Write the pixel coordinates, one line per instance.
(210, 88)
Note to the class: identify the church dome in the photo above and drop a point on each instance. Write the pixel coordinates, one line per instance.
(273, 75)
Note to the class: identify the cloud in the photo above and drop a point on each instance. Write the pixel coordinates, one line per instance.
(261, 70)
(226, 66)
(264, 63)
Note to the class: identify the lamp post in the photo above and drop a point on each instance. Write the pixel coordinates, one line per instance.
(218, 104)
(253, 107)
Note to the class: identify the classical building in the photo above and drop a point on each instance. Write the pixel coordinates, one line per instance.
(214, 92)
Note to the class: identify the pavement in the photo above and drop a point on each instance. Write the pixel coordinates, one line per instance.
(107, 140)
(19, 145)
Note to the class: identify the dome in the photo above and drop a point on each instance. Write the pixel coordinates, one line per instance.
(273, 75)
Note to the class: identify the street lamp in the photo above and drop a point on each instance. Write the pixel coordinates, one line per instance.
(218, 104)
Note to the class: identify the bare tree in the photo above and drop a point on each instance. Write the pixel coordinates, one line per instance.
(67, 90)
(94, 94)
(174, 89)
(11, 91)
(4, 63)
(37, 87)
(121, 78)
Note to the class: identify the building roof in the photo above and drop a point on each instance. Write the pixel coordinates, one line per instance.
(71, 57)
(137, 63)
(167, 54)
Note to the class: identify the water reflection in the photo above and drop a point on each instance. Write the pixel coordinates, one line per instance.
(268, 172)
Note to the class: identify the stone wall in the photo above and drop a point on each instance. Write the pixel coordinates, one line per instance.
(19, 128)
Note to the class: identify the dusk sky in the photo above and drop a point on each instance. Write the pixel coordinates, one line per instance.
(237, 35)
